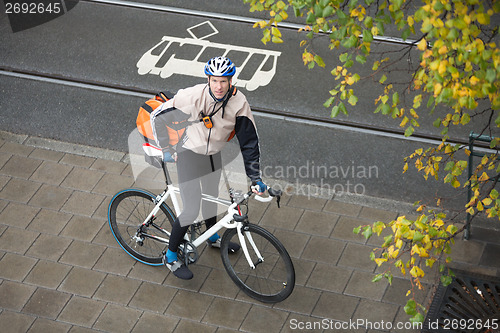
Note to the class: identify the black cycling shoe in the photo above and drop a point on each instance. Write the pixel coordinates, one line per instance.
(232, 248)
(179, 269)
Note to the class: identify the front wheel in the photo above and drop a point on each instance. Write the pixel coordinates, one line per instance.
(273, 278)
(126, 213)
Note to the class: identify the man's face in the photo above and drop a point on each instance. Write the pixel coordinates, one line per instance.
(219, 85)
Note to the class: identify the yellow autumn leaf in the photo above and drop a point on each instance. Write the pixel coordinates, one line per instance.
(422, 45)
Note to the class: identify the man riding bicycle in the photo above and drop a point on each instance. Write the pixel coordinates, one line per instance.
(215, 112)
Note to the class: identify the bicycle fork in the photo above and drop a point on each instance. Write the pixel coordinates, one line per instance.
(248, 236)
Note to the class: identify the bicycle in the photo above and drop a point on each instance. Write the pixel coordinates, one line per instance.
(141, 223)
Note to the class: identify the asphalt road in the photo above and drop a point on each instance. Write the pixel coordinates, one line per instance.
(114, 46)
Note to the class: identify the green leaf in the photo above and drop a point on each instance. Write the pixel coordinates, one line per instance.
(417, 318)
(350, 42)
(357, 230)
(411, 307)
(417, 237)
(327, 11)
(377, 278)
(335, 111)
(367, 232)
(361, 59)
(409, 131)
(352, 100)
(367, 36)
(446, 280)
(319, 61)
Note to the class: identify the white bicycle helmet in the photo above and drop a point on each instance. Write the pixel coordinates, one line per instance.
(220, 66)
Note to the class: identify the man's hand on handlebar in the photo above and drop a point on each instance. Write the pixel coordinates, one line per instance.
(258, 187)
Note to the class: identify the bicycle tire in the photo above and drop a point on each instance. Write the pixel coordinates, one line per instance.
(272, 280)
(126, 212)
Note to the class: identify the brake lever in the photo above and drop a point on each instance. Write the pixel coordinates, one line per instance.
(276, 194)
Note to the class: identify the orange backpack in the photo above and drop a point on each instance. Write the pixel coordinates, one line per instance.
(144, 121)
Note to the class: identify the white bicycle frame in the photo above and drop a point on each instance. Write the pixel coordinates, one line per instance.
(226, 222)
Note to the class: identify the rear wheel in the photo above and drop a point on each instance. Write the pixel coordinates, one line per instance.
(273, 278)
(127, 211)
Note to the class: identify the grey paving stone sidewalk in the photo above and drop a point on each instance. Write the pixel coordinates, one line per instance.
(62, 271)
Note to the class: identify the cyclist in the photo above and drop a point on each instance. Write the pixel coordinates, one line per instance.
(215, 111)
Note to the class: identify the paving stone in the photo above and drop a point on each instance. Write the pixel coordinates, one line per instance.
(82, 282)
(46, 325)
(155, 323)
(375, 313)
(47, 274)
(263, 319)
(310, 203)
(153, 297)
(82, 203)
(284, 217)
(82, 228)
(187, 304)
(49, 247)
(328, 306)
(4, 157)
(200, 274)
(79, 329)
(46, 154)
(302, 300)
(115, 261)
(82, 254)
(82, 179)
(15, 266)
(357, 256)
(51, 173)
(344, 229)
(49, 221)
(111, 184)
(469, 251)
(3, 181)
(490, 256)
(77, 160)
(214, 282)
(16, 322)
(11, 215)
(374, 214)
(117, 319)
(192, 326)
(108, 166)
(329, 277)
(317, 223)
(396, 292)
(323, 250)
(117, 289)
(46, 303)
(102, 210)
(342, 208)
(20, 167)
(14, 295)
(82, 311)
(303, 269)
(225, 312)
(294, 242)
(16, 148)
(17, 240)
(49, 196)
(19, 190)
(147, 273)
(360, 285)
